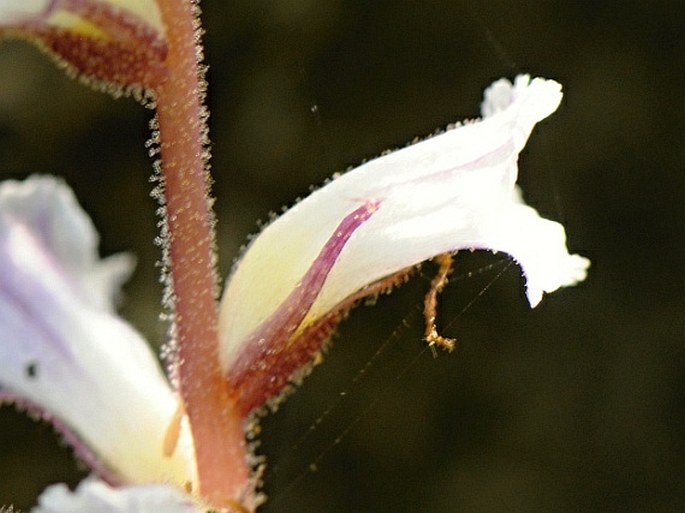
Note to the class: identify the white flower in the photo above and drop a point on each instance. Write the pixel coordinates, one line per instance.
(452, 191)
(64, 352)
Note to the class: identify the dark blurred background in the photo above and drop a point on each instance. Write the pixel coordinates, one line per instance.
(578, 405)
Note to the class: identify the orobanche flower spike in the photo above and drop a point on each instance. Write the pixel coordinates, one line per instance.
(181, 443)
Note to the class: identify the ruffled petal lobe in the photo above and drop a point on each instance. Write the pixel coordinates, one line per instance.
(93, 496)
(450, 192)
(64, 353)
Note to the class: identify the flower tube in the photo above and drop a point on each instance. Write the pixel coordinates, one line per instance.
(454, 191)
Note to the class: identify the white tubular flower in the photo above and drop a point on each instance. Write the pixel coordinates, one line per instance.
(66, 355)
(450, 192)
(94, 496)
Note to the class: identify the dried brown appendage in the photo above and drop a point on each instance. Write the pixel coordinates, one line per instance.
(430, 305)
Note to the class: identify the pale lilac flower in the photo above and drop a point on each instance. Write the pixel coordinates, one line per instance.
(65, 354)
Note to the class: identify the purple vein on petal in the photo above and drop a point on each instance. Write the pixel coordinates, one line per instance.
(28, 299)
(489, 159)
(27, 312)
(271, 354)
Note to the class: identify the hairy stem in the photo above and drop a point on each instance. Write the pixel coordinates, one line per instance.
(216, 426)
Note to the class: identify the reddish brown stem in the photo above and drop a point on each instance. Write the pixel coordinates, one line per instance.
(216, 426)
